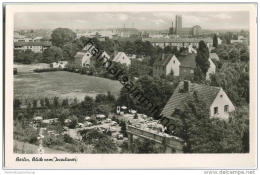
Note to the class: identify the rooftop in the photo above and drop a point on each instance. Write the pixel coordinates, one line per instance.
(32, 44)
(178, 40)
(178, 99)
(164, 60)
(187, 60)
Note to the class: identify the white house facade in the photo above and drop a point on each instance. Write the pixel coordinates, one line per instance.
(122, 58)
(221, 106)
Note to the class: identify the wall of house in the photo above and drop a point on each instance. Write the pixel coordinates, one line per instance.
(220, 101)
(173, 65)
(86, 60)
(124, 60)
(211, 70)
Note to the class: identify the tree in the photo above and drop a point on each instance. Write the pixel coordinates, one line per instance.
(202, 58)
(148, 86)
(69, 51)
(47, 102)
(52, 54)
(101, 142)
(234, 54)
(88, 107)
(203, 134)
(56, 102)
(61, 36)
(74, 122)
(17, 103)
(234, 80)
(42, 102)
(65, 103)
(215, 41)
(35, 104)
(25, 57)
(146, 146)
(104, 109)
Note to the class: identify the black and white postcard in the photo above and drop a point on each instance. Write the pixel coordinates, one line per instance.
(130, 85)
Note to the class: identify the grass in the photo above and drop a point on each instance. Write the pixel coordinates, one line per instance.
(62, 84)
(27, 148)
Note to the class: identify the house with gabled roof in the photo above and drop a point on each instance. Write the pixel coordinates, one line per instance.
(183, 65)
(188, 66)
(168, 63)
(217, 102)
(122, 58)
(85, 58)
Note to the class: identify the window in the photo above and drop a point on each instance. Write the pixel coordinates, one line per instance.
(215, 110)
(221, 96)
(174, 61)
(226, 108)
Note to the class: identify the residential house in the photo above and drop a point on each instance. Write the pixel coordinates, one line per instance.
(21, 38)
(85, 57)
(37, 47)
(168, 63)
(188, 65)
(178, 42)
(216, 100)
(127, 32)
(122, 58)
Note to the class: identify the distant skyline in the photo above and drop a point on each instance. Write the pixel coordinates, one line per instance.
(139, 20)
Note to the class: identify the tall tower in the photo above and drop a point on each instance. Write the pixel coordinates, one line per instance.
(178, 24)
(171, 30)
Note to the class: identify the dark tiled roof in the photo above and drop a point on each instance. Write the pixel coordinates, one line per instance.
(32, 44)
(164, 60)
(187, 60)
(178, 99)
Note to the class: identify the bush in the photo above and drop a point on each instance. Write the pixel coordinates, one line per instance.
(68, 139)
(47, 70)
(51, 141)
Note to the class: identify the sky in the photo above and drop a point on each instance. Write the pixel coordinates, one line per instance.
(139, 20)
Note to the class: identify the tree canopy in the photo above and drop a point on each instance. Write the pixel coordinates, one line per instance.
(215, 40)
(202, 58)
(61, 36)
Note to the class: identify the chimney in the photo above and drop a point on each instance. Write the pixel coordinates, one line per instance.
(186, 86)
